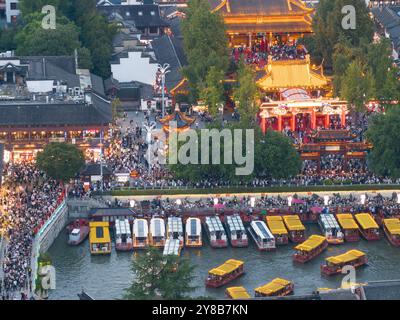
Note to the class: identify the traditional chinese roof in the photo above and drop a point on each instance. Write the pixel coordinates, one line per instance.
(283, 74)
(276, 16)
(183, 122)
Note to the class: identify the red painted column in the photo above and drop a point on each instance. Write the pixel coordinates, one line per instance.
(263, 125)
(326, 121)
(293, 122)
(343, 118)
(313, 119)
(279, 123)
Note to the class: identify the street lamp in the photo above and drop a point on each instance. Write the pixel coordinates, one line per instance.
(164, 69)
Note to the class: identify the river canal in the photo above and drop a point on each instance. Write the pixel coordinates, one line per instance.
(105, 277)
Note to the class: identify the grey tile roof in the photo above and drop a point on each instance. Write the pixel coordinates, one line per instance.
(149, 17)
(41, 114)
(166, 52)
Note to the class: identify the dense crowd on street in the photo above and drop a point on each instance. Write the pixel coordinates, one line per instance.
(27, 200)
(375, 204)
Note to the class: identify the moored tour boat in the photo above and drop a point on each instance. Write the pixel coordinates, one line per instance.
(335, 264)
(349, 227)
(296, 229)
(216, 232)
(225, 273)
(193, 233)
(78, 231)
(310, 248)
(368, 226)
(330, 228)
(278, 229)
(99, 238)
(157, 233)
(123, 235)
(391, 227)
(262, 236)
(140, 234)
(172, 247)
(276, 288)
(237, 293)
(236, 231)
(175, 229)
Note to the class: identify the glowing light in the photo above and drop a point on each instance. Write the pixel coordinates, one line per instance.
(290, 199)
(132, 203)
(178, 202)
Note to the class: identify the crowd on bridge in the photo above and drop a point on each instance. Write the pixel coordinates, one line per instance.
(27, 200)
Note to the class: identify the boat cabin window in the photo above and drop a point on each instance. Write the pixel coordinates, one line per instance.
(99, 233)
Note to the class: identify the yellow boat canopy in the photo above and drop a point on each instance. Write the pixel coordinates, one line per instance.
(293, 223)
(346, 257)
(311, 243)
(276, 225)
(99, 232)
(272, 287)
(347, 221)
(393, 225)
(226, 268)
(238, 293)
(366, 221)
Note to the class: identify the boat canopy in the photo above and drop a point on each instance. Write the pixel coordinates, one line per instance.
(157, 227)
(193, 227)
(273, 287)
(328, 221)
(293, 223)
(311, 243)
(122, 227)
(228, 267)
(99, 232)
(366, 221)
(140, 228)
(172, 247)
(347, 221)
(261, 230)
(175, 225)
(214, 224)
(235, 223)
(393, 225)
(276, 225)
(346, 257)
(238, 293)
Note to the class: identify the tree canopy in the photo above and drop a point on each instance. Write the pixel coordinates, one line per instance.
(79, 26)
(60, 161)
(156, 276)
(205, 43)
(384, 134)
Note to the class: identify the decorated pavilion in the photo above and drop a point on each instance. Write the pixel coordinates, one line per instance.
(249, 21)
(183, 122)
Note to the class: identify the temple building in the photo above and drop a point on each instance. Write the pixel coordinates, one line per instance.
(250, 21)
(290, 74)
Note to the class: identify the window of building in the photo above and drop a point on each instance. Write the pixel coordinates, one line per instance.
(14, 6)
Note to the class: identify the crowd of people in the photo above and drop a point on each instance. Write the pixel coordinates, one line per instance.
(27, 200)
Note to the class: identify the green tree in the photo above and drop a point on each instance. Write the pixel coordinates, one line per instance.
(60, 161)
(246, 93)
(328, 30)
(275, 156)
(358, 86)
(384, 134)
(213, 91)
(156, 276)
(205, 43)
(34, 40)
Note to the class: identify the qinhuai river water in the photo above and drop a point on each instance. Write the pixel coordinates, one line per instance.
(106, 277)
